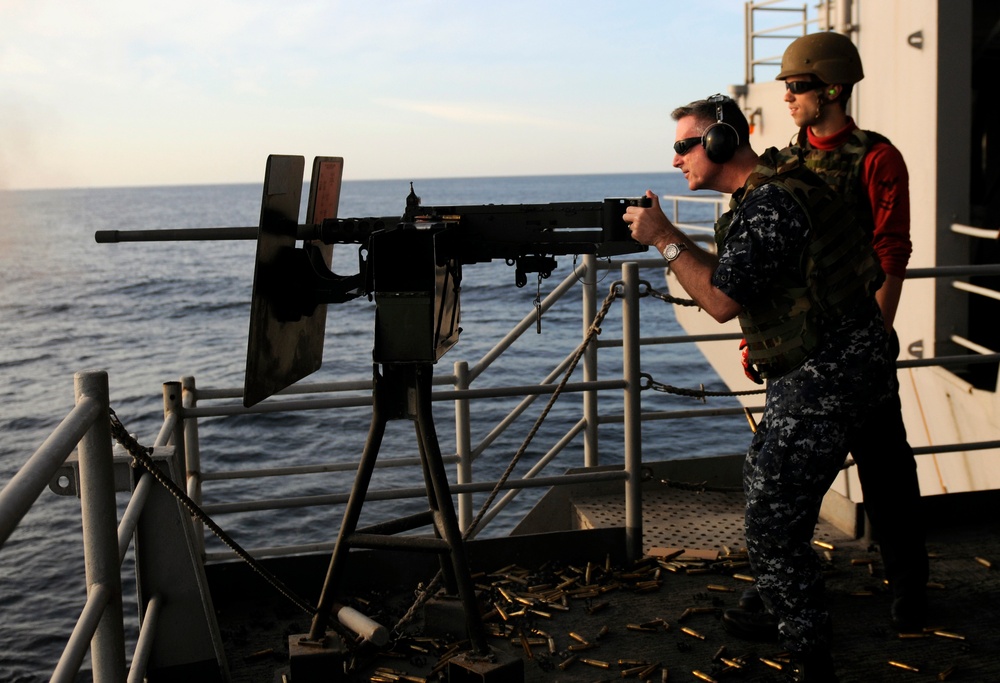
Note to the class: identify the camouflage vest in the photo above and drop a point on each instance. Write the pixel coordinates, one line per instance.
(841, 169)
(837, 271)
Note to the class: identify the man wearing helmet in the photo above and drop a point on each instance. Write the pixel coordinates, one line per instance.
(819, 71)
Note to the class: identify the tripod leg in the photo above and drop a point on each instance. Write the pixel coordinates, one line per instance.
(444, 508)
(352, 513)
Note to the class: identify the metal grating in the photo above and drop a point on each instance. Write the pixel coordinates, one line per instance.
(705, 520)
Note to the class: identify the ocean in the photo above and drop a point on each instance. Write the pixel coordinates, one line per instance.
(152, 312)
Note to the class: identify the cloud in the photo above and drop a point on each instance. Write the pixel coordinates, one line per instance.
(470, 114)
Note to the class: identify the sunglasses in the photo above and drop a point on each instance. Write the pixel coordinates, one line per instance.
(800, 87)
(684, 146)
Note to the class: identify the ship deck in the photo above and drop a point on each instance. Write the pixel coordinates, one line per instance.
(656, 615)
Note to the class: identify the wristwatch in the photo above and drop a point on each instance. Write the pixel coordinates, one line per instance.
(672, 251)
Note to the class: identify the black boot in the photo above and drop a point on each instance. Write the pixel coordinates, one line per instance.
(909, 611)
(759, 626)
(751, 601)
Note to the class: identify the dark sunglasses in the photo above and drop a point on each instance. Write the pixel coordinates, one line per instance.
(684, 146)
(799, 87)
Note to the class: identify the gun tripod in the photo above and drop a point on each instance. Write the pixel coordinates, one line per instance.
(403, 391)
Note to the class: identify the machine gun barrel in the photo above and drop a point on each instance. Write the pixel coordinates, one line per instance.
(175, 235)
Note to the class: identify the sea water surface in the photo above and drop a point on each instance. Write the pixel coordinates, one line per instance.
(149, 313)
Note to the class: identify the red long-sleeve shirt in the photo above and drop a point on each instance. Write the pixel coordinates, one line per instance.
(886, 180)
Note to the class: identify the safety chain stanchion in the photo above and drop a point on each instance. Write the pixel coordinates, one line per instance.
(142, 456)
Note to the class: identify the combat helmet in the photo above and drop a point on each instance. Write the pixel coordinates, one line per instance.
(830, 57)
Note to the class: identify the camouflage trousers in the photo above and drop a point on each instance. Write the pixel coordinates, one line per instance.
(793, 459)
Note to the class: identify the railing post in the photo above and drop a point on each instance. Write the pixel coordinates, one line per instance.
(591, 454)
(99, 517)
(192, 447)
(192, 455)
(632, 411)
(172, 406)
(463, 444)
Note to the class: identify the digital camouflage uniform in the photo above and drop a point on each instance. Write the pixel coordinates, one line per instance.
(767, 242)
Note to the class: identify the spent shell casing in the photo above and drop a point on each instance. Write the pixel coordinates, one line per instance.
(640, 627)
(719, 589)
(824, 544)
(578, 638)
(771, 663)
(905, 667)
(633, 671)
(734, 663)
(948, 634)
(744, 577)
(501, 612)
(946, 674)
(648, 671)
(983, 561)
(565, 664)
(691, 632)
(596, 662)
(580, 647)
(703, 676)
(605, 630)
(526, 646)
(629, 663)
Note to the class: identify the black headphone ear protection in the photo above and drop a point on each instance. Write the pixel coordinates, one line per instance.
(720, 140)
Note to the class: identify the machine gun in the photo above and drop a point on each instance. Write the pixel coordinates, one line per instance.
(410, 264)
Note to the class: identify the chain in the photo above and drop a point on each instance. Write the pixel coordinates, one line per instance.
(142, 456)
(649, 383)
(651, 291)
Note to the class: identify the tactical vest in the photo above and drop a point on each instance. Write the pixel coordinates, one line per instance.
(841, 169)
(837, 272)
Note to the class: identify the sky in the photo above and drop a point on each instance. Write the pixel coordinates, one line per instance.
(109, 93)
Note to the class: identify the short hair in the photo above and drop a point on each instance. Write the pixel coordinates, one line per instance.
(705, 110)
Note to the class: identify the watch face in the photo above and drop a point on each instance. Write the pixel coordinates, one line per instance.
(671, 251)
